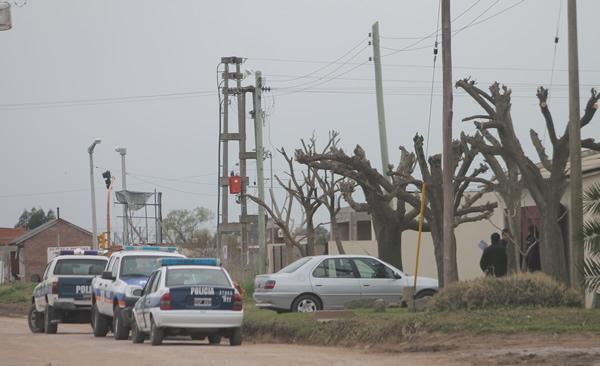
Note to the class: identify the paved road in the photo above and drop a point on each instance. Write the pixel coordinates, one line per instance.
(75, 345)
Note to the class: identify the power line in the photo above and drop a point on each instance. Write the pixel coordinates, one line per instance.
(42, 193)
(435, 52)
(108, 100)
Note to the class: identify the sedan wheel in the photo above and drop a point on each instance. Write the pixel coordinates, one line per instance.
(306, 304)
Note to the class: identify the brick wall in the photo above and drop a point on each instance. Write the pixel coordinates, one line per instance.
(35, 248)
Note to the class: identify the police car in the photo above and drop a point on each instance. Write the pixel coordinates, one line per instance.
(120, 286)
(189, 297)
(64, 294)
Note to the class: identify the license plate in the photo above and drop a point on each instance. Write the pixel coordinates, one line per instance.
(202, 301)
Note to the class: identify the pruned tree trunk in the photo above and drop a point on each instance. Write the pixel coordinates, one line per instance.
(389, 242)
(335, 234)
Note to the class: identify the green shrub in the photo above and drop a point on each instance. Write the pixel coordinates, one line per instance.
(527, 289)
(16, 292)
(248, 289)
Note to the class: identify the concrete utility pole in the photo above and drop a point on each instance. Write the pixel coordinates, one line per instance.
(385, 161)
(260, 177)
(241, 97)
(93, 194)
(123, 152)
(225, 156)
(447, 183)
(576, 210)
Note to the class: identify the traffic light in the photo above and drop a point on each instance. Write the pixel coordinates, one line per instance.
(107, 178)
(102, 241)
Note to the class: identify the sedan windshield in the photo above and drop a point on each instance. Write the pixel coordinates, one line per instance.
(79, 267)
(138, 266)
(295, 265)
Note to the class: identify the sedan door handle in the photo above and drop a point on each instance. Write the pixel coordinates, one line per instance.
(319, 285)
(366, 285)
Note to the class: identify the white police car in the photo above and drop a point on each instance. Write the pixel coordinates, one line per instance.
(193, 297)
(64, 294)
(120, 286)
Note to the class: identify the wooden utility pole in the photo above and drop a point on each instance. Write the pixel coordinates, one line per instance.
(576, 210)
(385, 160)
(260, 178)
(450, 273)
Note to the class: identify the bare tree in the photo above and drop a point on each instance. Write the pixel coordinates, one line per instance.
(390, 218)
(282, 218)
(545, 189)
(465, 207)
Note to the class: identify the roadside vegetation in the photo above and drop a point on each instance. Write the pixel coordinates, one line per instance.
(16, 293)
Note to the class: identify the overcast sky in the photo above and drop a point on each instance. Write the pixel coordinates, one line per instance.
(142, 74)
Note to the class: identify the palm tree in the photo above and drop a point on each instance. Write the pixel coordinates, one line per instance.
(591, 238)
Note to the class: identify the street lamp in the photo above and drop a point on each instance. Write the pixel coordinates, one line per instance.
(5, 21)
(93, 193)
(123, 152)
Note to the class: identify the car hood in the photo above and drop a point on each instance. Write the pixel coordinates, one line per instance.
(136, 281)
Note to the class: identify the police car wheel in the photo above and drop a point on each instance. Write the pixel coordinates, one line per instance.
(156, 334)
(35, 320)
(49, 327)
(137, 336)
(214, 339)
(120, 330)
(235, 338)
(99, 323)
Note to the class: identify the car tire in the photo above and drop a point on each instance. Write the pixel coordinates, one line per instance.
(137, 336)
(35, 320)
(306, 304)
(235, 338)
(99, 323)
(214, 339)
(120, 329)
(156, 334)
(425, 293)
(49, 327)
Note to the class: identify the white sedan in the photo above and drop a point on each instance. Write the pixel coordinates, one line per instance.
(193, 297)
(331, 281)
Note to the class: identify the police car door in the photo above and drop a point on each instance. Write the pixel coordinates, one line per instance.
(140, 304)
(152, 299)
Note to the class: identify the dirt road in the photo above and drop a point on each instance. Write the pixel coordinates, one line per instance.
(75, 345)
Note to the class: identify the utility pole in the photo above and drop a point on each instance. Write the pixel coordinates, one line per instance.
(225, 142)
(93, 194)
(123, 151)
(450, 274)
(241, 97)
(385, 161)
(576, 209)
(258, 124)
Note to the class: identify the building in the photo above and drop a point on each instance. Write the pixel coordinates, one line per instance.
(8, 258)
(468, 235)
(30, 249)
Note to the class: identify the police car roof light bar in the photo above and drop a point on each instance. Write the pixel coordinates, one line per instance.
(78, 252)
(215, 262)
(150, 247)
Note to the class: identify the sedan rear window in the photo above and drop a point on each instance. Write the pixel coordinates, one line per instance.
(79, 267)
(294, 265)
(196, 277)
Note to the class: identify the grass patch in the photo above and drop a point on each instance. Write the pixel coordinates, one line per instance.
(398, 325)
(16, 293)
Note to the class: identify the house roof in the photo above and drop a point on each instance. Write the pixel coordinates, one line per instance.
(8, 234)
(41, 228)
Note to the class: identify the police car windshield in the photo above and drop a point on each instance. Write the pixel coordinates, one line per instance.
(196, 276)
(139, 266)
(79, 266)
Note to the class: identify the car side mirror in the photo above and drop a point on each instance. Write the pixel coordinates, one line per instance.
(138, 292)
(397, 275)
(107, 275)
(35, 278)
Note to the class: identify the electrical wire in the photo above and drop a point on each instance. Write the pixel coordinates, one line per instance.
(322, 77)
(327, 64)
(43, 193)
(108, 100)
(553, 62)
(435, 52)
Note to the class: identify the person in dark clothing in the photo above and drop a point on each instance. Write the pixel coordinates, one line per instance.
(493, 259)
(532, 256)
